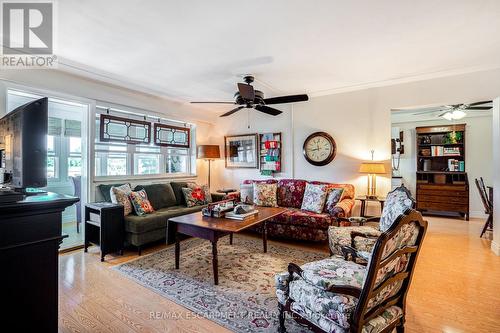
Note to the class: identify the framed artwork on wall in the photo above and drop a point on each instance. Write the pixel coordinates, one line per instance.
(241, 151)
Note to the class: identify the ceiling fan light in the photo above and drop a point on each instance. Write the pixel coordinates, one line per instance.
(458, 114)
(448, 116)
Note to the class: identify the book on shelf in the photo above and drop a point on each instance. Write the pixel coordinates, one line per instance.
(445, 151)
(241, 217)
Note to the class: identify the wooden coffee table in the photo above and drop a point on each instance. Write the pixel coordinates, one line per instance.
(213, 228)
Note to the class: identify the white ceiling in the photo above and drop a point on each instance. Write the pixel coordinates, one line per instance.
(195, 50)
(410, 115)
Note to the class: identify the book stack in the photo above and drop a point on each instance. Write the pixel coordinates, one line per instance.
(437, 150)
(451, 151)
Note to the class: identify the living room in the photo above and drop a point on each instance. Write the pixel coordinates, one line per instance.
(306, 154)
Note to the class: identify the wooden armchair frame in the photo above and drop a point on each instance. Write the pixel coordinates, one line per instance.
(362, 314)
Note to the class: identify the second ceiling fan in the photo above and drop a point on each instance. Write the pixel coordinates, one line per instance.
(248, 97)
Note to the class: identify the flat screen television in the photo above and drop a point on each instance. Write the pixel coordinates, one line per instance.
(23, 145)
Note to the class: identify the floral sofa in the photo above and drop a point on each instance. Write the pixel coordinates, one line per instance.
(295, 223)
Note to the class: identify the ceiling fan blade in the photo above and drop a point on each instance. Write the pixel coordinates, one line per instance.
(246, 91)
(430, 111)
(232, 111)
(268, 110)
(479, 108)
(286, 99)
(212, 102)
(479, 103)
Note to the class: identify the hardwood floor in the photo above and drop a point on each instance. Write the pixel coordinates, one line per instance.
(455, 289)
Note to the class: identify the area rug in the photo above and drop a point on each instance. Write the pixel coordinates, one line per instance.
(244, 300)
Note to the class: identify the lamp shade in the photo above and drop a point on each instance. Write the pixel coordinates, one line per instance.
(208, 151)
(372, 167)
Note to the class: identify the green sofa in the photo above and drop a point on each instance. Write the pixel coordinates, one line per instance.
(167, 200)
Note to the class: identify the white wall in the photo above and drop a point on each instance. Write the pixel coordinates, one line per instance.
(495, 244)
(478, 154)
(359, 121)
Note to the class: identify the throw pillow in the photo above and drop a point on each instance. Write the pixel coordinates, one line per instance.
(194, 196)
(204, 188)
(120, 195)
(265, 194)
(246, 193)
(314, 198)
(141, 204)
(334, 196)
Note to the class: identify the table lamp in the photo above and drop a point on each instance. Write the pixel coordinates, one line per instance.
(372, 169)
(209, 153)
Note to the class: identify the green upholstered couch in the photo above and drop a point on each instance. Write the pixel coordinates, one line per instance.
(167, 200)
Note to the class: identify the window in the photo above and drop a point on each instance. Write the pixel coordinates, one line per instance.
(114, 158)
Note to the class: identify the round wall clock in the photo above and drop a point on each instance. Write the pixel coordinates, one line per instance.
(319, 148)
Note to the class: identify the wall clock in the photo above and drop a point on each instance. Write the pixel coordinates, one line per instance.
(319, 148)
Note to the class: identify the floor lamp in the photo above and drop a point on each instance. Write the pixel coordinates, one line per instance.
(209, 153)
(372, 169)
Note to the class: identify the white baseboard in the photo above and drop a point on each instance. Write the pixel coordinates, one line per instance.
(477, 214)
(495, 247)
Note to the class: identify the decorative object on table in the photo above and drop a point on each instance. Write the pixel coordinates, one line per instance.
(372, 169)
(104, 227)
(265, 194)
(219, 208)
(140, 202)
(319, 148)
(443, 173)
(315, 197)
(208, 153)
(248, 98)
(242, 212)
(241, 151)
(270, 153)
(119, 129)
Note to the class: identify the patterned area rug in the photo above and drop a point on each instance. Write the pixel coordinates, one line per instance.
(244, 300)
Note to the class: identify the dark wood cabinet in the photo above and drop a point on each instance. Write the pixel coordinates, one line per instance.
(442, 182)
(30, 235)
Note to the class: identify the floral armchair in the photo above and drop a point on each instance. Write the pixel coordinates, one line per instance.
(340, 296)
(356, 242)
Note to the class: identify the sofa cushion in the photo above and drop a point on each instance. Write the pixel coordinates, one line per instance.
(334, 196)
(291, 192)
(260, 181)
(160, 195)
(106, 188)
(120, 195)
(158, 219)
(140, 202)
(334, 271)
(296, 216)
(265, 194)
(314, 198)
(179, 196)
(195, 196)
(341, 236)
(348, 189)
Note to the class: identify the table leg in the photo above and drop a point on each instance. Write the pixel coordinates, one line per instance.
(215, 262)
(264, 236)
(231, 239)
(177, 249)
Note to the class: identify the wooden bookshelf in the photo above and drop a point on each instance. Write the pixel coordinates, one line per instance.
(442, 183)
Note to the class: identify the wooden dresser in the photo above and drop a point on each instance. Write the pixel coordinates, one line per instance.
(442, 183)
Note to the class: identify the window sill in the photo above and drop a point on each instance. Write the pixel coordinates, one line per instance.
(108, 179)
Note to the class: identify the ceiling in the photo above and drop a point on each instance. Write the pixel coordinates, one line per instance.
(419, 114)
(197, 50)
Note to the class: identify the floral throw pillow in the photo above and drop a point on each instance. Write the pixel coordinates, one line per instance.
(314, 198)
(120, 195)
(204, 188)
(194, 196)
(265, 194)
(334, 196)
(140, 202)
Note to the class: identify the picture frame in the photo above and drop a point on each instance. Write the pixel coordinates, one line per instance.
(240, 151)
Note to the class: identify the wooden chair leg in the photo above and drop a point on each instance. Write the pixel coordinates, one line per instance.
(281, 328)
(486, 225)
(400, 329)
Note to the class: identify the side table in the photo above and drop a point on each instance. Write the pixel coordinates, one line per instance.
(364, 199)
(104, 226)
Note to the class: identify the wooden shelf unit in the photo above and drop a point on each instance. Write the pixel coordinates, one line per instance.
(438, 188)
(266, 167)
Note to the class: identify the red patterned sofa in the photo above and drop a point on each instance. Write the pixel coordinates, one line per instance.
(295, 223)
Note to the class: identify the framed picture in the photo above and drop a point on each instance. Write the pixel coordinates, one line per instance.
(241, 151)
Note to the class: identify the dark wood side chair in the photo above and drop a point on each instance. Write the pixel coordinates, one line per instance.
(77, 192)
(488, 205)
(353, 297)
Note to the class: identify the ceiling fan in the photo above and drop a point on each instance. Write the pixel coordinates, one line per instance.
(248, 97)
(453, 111)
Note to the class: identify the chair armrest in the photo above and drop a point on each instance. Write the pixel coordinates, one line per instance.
(343, 208)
